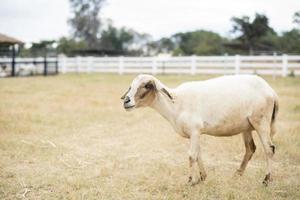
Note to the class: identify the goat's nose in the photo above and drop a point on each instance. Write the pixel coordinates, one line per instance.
(127, 99)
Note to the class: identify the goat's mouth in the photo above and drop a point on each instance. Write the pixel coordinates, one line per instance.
(129, 107)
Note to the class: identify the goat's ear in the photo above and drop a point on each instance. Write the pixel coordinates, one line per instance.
(150, 85)
(124, 95)
(167, 93)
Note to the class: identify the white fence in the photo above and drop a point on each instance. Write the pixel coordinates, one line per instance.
(265, 65)
(271, 65)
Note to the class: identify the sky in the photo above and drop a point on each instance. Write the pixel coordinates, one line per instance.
(34, 20)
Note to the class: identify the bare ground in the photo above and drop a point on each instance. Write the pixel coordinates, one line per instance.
(68, 137)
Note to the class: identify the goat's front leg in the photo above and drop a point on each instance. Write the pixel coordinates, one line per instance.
(195, 158)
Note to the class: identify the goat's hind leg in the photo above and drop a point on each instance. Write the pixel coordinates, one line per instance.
(201, 167)
(263, 129)
(250, 149)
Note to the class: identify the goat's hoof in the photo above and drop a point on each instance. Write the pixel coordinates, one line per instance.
(203, 176)
(238, 173)
(267, 179)
(190, 179)
(193, 181)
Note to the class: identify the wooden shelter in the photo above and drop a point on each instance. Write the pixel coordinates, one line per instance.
(7, 40)
(9, 44)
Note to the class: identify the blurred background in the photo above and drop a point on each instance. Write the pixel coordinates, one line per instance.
(144, 28)
(67, 136)
(48, 37)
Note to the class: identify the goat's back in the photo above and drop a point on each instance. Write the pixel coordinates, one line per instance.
(229, 99)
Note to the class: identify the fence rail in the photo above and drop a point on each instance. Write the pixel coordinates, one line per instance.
(265, 65)
(34, 66)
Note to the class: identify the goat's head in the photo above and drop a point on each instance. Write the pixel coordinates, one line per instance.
(142, 92)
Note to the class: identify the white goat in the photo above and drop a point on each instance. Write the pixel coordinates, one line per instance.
(27, 70)
(223, 106)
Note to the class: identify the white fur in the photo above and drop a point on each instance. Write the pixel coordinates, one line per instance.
(27, 70)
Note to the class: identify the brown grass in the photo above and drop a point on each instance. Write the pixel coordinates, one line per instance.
(68, 137)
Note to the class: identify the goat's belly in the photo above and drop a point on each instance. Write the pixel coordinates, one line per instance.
(228, 129)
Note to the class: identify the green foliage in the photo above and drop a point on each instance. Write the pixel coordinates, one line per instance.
(178, 52)
(85, 22)
(24, 52)
(192, 43)
(270, 41)
(123, 40)
(68, 45)
(165, 45)
(42, 48)
(297, 18)
(200, 43)
(251, 32)
(116, 39)
(290, 41)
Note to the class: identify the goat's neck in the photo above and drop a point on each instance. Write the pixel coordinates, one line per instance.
(164, 105)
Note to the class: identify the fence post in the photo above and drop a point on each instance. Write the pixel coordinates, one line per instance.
(90, 64)
(237, 64)
(78, 62)
(225, 61)
(154, 65)
(13, 61)
(121, 65)
(274, 64)
(284, 65)
(63, 60)
(56, 65)
(45, 66)
(193, 64)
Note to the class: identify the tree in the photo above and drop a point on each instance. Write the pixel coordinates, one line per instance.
(165, 45)
(42, 48)
(116, 39)
(140, 44)
(251, 31)
(297, 18)
(124, 40)
(85, 21)
(68, 45)
(198, 43)
(290, 41)
(269, 42)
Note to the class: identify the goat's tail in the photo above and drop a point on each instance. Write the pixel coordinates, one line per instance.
(274, 117)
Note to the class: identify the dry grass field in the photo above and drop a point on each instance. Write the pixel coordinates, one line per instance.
(68, 137)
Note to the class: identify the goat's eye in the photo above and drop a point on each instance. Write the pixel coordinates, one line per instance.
(148, 86)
